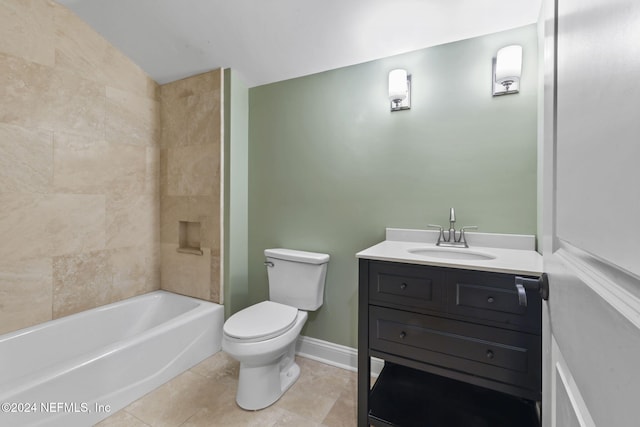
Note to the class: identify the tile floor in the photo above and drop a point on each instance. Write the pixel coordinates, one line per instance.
(204, 396)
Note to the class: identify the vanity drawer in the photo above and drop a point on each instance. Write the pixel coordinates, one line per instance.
(406, 285)
(493, 297)
(493, 353)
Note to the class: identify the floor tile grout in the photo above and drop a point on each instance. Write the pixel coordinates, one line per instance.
(204, 396)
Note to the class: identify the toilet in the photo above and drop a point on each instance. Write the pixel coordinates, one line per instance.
(263, 337)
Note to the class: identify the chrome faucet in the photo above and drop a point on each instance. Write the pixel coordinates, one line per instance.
(452, 223)
(451, 239)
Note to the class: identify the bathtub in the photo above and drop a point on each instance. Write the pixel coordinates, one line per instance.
(79, 369)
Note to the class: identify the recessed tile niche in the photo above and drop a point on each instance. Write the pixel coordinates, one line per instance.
(189, 238)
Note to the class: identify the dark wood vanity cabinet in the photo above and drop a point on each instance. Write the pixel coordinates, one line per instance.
(460, 348)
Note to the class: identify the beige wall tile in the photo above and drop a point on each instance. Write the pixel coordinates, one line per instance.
(193, 171)
(37, 96)
(86, 165)
(178, 89)
(122, 73)
(44, 225)
(214, 232)
(190, 208)
(79, 125)
(25, 293)
(216, 288)
(22, 86)
(78, 48)
(191, 110)
(164, 179)
(190, 177)
(81, 282)
(26, 159)
(204, 118)
(200, 83)
(174, 209)
(135, 272)
(82, 51)
(75, 104)
(185, 273)
(131, 119)
(152, 172)
(92, 279)
(174, 118)
(131, 221)
(19, 21)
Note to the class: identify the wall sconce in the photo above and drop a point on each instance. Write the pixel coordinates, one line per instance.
(507, 68)
(399, 90)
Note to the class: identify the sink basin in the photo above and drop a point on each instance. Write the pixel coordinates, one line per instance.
(452, 253)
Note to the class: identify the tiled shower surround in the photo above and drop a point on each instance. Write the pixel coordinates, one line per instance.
(190, 185)
(80, 160)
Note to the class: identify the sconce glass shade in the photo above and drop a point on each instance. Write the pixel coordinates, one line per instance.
(398, 85)
(507, 70)
(399, 89)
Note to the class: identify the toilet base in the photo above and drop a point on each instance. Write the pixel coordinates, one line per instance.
(261, 386)
(288, 377)
(267, 368)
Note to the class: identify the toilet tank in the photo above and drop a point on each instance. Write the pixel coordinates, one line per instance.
(296, 278)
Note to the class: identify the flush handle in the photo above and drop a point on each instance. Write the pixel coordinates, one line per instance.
(269, 263)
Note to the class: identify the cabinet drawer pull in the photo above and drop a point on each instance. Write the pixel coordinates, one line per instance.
(490, 300)
(402, 335)
(403, 286)
(490, 354)
(541, 285)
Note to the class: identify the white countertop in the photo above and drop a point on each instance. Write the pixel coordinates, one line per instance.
(513, 254)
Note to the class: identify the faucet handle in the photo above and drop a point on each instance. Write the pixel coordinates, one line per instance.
(462, 239)
(452, 215)
(440, 235)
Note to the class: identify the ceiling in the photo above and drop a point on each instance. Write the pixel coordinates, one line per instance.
(272, 40)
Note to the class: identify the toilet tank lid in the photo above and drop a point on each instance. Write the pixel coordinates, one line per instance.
(295, 255)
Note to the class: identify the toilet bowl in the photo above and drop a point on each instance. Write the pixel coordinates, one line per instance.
(263, 337)
(267, 366)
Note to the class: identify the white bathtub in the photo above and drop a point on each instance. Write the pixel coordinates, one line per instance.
(79, 369)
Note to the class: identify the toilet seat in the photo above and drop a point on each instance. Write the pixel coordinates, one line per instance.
(260, 321)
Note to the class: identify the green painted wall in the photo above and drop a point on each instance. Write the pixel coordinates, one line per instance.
(330, 166)
(236, 175)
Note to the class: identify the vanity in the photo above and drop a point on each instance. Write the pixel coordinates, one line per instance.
(458, 329)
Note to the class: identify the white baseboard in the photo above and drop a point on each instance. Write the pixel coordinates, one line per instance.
(332, 354)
